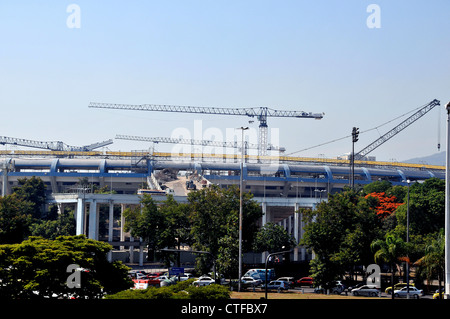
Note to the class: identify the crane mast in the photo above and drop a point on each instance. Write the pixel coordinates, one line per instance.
(261, 114)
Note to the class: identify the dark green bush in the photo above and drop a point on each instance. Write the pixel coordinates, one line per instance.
(181, 290)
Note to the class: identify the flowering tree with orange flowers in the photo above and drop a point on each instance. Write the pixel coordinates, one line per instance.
(386, 204)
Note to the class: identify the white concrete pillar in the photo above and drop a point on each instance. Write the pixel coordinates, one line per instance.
(131, 251)
(93, 220)
(79, 222)
(141, 254)
(264, 210)
(111, 221)
(122, 223)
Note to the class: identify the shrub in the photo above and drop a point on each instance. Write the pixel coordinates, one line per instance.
(181, 290)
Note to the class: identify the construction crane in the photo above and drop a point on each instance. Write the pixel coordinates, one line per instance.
(53, 146)
(196, 142)
(261, 114)
(378, 142)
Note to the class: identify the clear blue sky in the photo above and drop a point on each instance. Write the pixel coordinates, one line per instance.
(317, 56)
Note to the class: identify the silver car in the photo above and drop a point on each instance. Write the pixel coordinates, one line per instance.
(413, 292)
(366, 290)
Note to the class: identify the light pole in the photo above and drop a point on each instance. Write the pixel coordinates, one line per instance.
(267, 259)
(241, 186)
(407, 241)
(447, 208)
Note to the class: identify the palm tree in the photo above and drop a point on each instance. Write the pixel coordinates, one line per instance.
(389, 251)
(434, 259)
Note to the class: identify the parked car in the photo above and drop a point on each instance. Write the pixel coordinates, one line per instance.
(277, 285)
(203, 281)
(436, 293)
(250, 281)
(357, 286)
(413, 292)
(305, 281)
(398, 287)
(336, 288)
(186, 276)
(288, 280)
(366, 290)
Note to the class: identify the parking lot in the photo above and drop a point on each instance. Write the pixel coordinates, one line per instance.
(310, 291)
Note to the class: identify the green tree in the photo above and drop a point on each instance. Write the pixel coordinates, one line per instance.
(37, 268)
(15, 219)
(215, 224)
(32, 190)
(433, 262)
(147, 222)
(272, 238)
(339, 232)
(177, 228)
(389, 250)
(426, 208)
(55, 224)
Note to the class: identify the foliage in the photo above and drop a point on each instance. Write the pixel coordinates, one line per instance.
(181, 290)
(426, 208)
(15, 219)
(386, 204)
(391, 250)
(32, 190)
(41, 265)
(147, 222)
(339, 232)
(433, 261)
(214, 217)
(272, 238)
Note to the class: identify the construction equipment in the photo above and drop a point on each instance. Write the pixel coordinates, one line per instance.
(196, 142)
(53, 146)
(378, 142)
(261, 114)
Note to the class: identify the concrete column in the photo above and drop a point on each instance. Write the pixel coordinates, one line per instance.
(111, 221)
(122, 223)
(93, 220)
(5, 180)
(80, 217)
(141, 254)
(131, 251)
(264, 211)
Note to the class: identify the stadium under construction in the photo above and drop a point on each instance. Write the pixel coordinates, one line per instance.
(280, 184)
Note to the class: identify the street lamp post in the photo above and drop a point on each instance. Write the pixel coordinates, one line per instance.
(407, 241)
(241, 186)
(447, 208)
(267, 259)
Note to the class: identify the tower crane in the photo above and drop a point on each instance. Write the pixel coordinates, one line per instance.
(196, 142)
(378, 142)
(261, 114)
(53, 146)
